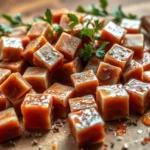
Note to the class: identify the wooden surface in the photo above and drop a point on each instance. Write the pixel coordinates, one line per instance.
(30, 8)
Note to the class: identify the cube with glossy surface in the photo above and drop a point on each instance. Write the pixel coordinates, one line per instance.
(60, 95)
(9, 125)
(113, 102)
(87, 127)
(139, 93)
(15, 86)
(38, 78)
(68, 45)
(108, 74)
(4, 74)
(80, 103)
(113, 33)
(37, 111)
(48, 57)
(146, 76)
(119, 56)
(134, 42)
(3, 101)
(11, 48)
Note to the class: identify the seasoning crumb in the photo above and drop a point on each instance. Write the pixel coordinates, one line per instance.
(125, 146)
(110, 129)
(136, 141)
(139, 131)
(34, 142)
(112, 145)
(40, 147)
(119, 138)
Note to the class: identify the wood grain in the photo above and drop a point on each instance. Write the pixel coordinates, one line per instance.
(30, 8)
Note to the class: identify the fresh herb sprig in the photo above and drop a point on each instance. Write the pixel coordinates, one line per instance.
(5, 29)
(74, 20)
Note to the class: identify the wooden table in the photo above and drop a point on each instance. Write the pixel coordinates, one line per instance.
(30, 8)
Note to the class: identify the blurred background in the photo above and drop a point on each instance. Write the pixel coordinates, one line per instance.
(30, 8)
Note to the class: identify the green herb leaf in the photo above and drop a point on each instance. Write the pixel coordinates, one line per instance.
(98, 26)
(5, 29)
(97, 37)
(58, 29)
(81, 9)
(86, 32)
(103, 4)
(74, 20)
(100, 52)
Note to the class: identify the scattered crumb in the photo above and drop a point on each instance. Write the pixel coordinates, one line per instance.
(125, 146)
(119, 138)
(12, 143)
(139, 131)
(34, 142)
(136, 141)
(112, 145)
(40, 147)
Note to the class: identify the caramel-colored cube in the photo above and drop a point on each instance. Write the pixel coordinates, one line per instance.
(32, 47)
(108, 74)
(146, 76)
(37, 111)
(85, 82)
(113, 102)
(38, 29)
(86, 126)
(60, 95)
(64, 22)
(134, 42)
(48, 57)
(9, 126)
(139, 93)
(3, 101)
(68, 45)
(38, 78)
(131, 25)
(145, 61)
(80, 103)
(93, 64)
(15, 86)
(15, 66)
(4, 74)
(119, 56)
(11, 48)
(113, 33)
(133, 70)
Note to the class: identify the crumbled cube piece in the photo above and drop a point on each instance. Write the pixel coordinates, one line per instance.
(93, 64)
(4, 74)
(87, 126)
(113, 102)
(108, 74)
(80, 103)
(32, 47)
(37, 111)
(131, 25)
(145, 61)
(139, 93)
(134, 42)
(60, 95)
(15, 86)
(38, 78)
(113, 33)
(11, 48)
(133, 70)
(146, 76)
(119, 56)
(15, 66)
(9, 125)
(38, 29)
(3, 101)
(48, 57)
(85, 82)
(68, 45)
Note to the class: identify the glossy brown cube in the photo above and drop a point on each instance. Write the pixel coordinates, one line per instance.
(134, 42)
(85, 82)
(68, 45)
(48, 57)
(32, 47)
(37, 111)
(11, 48)
(15, 66)
(60, 95)
(38, 29)
(93, 64)
(80, 103)
(119, 56)
(131, 25)
(3, 101)
(4, 74)
(146, 45)
(113, 102)
(64, 22)
(15, 86)
(87, 127)
(9, 126)
(146, 76)
(139, 93)
(108, 74)
(38, 78)
(113, 33)
(133, 70)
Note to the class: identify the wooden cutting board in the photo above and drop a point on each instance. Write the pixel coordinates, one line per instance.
(134, 134)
